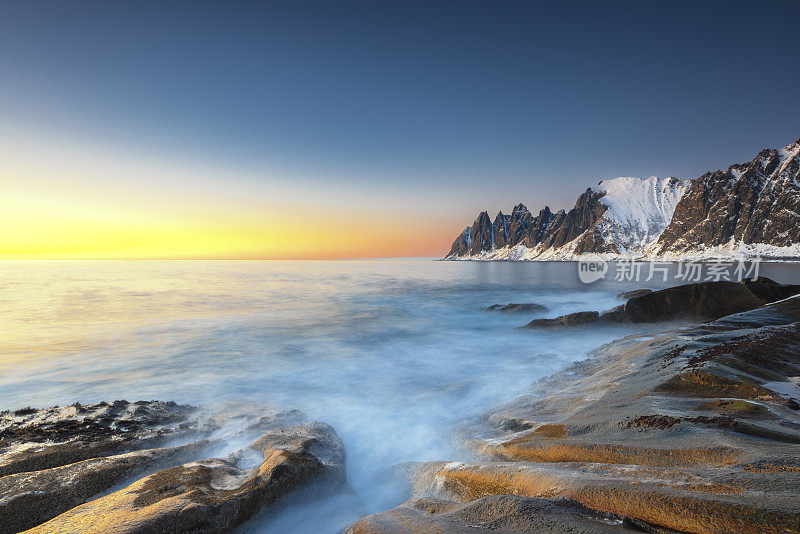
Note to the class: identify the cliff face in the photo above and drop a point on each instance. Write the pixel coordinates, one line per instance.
(613, 218)
(757, 202)
(751, 208)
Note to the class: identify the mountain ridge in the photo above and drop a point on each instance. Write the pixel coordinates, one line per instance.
(750, 209)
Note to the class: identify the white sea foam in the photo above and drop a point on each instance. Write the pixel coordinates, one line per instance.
(393, 354)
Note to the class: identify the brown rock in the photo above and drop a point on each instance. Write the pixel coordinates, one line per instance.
(497, 513)
(31, 498)
(753, 202)
(514, 307)
(633, 294)
(34, 439)
(572, 319)
(213, 495)
(705, 300)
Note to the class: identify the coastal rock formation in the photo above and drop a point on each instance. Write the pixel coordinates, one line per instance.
(31, 439)
(695, 430)
(694, 302)
(214, 495)
(571, 319)
(59, 461)
(750, 209)
(704, 300)
(635, 293)
(617, 217)
(751, 203)
(516, 307)
(30, 498)
(494, 513)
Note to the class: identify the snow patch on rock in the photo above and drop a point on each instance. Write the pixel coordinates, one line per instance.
(638, 210)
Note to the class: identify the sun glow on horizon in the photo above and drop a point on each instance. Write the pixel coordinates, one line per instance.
(73, 207)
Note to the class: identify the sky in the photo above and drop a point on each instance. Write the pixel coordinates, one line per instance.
(345, 129)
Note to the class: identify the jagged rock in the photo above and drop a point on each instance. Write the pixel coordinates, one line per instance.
(538, 229)
(500, 231)
(572, 319)
(481, 234)
(584, 214)
(460, 246)
(496, 513)
(621, 215)
(32, 439)
(214, 495)
(750, 209)
(750, 203)
(519, 223)
(514, 307)
(633, 294)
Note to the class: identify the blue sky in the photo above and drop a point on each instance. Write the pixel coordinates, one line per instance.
(435, 110)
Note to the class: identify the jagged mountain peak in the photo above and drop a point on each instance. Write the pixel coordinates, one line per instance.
(752, 207)
(519, 209)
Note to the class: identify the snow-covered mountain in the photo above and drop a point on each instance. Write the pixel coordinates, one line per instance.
(752, 208)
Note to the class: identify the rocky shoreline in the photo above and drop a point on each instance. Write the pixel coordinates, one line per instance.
(694, 429)
(691, 430)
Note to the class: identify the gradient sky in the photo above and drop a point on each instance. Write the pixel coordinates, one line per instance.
(329, 129)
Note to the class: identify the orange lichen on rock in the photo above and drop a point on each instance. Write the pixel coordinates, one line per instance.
(546, 431)
(701, 384)
(772, 468)
(471, 483)
(686, 514)
(619, 454)
(735, 406)
(641, 500)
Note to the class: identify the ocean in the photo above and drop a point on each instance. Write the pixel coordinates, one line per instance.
(393, 353)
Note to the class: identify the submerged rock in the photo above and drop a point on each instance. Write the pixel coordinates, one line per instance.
(214, 495)
(513, 307)
(572, 319)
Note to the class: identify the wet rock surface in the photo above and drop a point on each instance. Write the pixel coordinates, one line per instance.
(60, 462)
(30, 498)
(494, 513)
(217, 494)
(517, 307)
(705, 300)
(33, 439)
(571, 319)
(633, 294)
(693, 302)
(692, 430)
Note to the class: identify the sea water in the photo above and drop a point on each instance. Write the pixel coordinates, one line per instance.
(392, 353)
